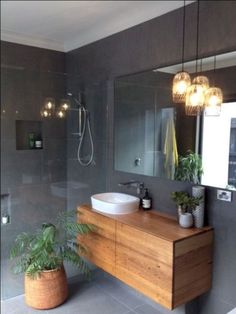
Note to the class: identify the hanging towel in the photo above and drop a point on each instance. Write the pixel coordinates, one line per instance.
(170, 149)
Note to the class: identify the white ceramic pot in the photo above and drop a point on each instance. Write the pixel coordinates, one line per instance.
(186, 220)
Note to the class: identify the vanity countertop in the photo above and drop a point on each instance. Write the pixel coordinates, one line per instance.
(154, 222)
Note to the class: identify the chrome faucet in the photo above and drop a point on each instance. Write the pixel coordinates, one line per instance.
(136, 184)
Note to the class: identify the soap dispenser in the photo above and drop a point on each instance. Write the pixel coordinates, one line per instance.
(146, 201)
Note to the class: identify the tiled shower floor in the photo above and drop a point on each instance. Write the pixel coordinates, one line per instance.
(102, 295)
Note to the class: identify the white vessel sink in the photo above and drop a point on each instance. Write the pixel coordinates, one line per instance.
(115, 203)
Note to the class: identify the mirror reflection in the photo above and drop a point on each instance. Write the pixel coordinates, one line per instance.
(155, 137)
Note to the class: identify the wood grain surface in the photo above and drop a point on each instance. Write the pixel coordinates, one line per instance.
(150, 252)
(100, 244)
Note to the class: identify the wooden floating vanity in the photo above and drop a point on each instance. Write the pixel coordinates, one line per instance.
(151, 253)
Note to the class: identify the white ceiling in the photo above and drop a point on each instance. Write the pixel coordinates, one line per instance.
(66, 25)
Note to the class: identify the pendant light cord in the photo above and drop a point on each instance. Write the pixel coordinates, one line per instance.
(197, 44)
(214, 71)
(183, 42)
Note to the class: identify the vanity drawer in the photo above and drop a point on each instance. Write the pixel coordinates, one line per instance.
(192, 267)
(100, 243)
(145, 262)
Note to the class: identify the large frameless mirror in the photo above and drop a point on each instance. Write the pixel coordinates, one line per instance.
(152, 134)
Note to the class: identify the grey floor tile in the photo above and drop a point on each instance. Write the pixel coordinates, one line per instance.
(129, 296)
(146, 309)
(160, 309)
(84, 298)
(121, 292)
(102, 295)
(17, 305)
(211, 303)
(88, 298)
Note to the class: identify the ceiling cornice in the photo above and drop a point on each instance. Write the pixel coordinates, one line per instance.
(18, 38)
(68, 25)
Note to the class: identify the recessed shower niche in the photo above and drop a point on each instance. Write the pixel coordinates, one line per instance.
(27, 134)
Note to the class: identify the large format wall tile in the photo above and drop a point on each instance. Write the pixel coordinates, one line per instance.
(28, 175)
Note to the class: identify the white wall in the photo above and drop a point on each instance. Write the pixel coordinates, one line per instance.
(215, 146)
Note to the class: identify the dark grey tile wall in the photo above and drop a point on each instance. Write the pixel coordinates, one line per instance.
(31, 177)
(82, 182)
(32, 58)
(93, 177)
(157, 43)
(154, 44)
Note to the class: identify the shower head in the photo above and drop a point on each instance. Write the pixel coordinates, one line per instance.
(78, 101)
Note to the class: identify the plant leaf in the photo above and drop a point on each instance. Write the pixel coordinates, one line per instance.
(49, 246)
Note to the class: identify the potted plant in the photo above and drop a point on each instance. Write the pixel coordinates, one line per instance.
(185, 204)
(181, 199)
(40, 256)
(189, 168)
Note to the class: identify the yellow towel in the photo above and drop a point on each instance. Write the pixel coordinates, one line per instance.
(170, 149)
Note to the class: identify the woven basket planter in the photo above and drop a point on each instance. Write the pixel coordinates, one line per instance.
(47, 291)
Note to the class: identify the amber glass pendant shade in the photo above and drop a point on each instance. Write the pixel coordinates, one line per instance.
(213, 101)
(46, 113)
(61, 114)
(181, 82)
(49, 103)
(201, 80)
(194, 100)
(65, 104)
(48, 107)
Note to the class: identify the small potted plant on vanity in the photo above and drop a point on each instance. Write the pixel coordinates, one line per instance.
(40, 256)
(185, 204)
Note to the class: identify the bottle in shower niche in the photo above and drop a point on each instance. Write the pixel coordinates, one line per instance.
(146, 201)
(38, 142)
(31, 140)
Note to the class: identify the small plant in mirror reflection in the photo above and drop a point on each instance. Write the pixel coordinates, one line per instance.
(189, 168)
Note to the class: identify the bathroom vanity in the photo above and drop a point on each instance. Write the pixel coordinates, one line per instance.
(151, 253)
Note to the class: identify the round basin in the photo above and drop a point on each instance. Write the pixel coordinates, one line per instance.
(115, 203)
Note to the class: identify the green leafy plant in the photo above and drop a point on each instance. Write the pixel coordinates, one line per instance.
(186, 202)
(50, 246)
(189, 168)
(180, 198)
(193, 202)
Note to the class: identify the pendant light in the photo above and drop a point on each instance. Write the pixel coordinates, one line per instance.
(64, 106)
(213, 98)
(194, 103)
(194, 100)
(201, 79)
(48, 108)
(181, 79)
